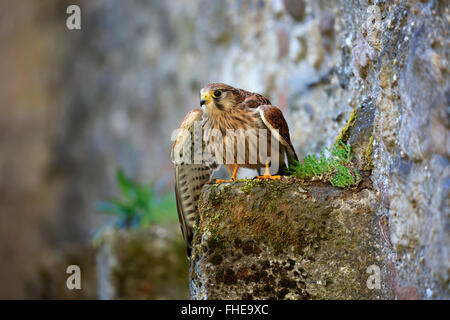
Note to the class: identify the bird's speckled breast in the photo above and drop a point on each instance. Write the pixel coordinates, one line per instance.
(249, 122)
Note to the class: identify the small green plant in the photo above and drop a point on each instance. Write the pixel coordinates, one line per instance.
(138, 205)
(336, 167)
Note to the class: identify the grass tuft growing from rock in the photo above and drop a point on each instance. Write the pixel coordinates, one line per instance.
(336, 167)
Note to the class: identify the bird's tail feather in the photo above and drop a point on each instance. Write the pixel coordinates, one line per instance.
(189, 181)
(291, 156)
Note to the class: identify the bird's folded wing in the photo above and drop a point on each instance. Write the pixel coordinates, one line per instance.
(254, 100)
(274, 120)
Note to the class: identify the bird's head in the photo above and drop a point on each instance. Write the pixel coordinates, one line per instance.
(219, 97)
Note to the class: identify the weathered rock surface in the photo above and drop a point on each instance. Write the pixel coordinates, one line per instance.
(286, 240)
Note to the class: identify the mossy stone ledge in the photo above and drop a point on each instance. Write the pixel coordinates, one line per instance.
(286, 239)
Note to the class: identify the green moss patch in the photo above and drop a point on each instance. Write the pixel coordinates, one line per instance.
(344, 134)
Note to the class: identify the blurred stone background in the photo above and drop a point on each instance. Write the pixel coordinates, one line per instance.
(76, 105)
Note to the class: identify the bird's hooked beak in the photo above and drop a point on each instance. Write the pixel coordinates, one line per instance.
(205, 98)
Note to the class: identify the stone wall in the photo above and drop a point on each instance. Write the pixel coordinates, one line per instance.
(78, 104)
(389, 61)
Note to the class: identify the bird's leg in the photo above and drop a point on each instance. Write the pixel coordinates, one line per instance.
(233, 176)
(267, 175)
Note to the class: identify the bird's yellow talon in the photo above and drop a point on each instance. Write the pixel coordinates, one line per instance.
(269, 177)
(222, 181)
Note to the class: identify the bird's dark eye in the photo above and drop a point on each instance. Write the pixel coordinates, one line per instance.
(217, 94)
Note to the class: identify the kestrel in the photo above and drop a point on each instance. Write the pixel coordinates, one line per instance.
(229, 116)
